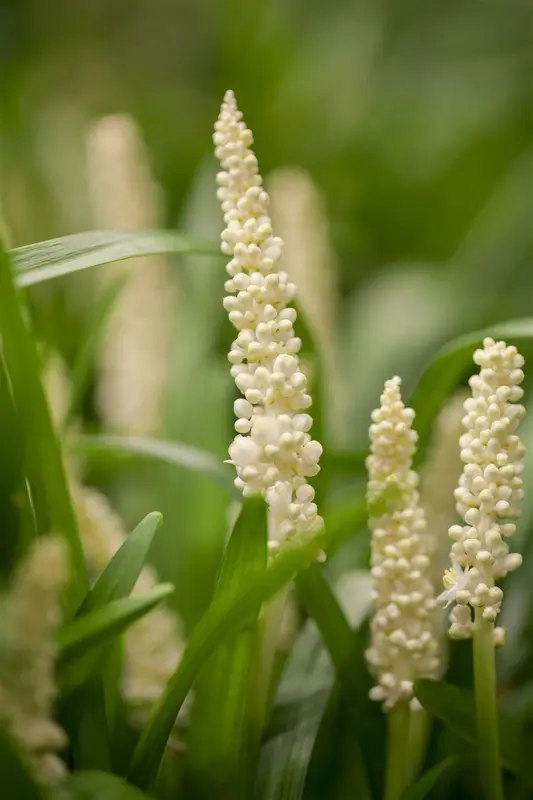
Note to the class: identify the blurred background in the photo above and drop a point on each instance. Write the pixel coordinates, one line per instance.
(396, 140)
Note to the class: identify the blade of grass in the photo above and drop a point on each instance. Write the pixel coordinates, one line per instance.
(82, 643)
(120, 575)
(94, 785)
(42, 455)
(434, 776)
(215, 745)
(175, 453)
(44, 261)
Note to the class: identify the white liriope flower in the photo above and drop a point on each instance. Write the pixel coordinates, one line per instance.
(273, 452)
(403, 646)
(489, 489)
(132, 363)
(29, 616)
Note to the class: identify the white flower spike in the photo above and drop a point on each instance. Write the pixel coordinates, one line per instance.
(273, 452)
(403, 645)
(489, 489)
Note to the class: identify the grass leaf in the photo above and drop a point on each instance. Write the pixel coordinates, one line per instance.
(423, 786)
(44, 261)
(80, 642)
(455, 707)
(120, 575)
(215, 752)
(42, 455)
(176, 453)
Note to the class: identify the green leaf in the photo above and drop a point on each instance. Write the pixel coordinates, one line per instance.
(80, 642)
(455, 707)
(346, 649)
(16, 779)
(120, 575)
(445, 369)
(41, 451)
(215, 745)
(90, 343)
(180, 455)
(423, 786)
(94, 785)
(44, 261)
(224, 618)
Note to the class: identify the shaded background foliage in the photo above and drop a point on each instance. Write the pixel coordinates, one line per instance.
(415, 122)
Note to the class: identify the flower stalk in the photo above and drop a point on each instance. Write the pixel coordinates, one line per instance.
(486, 709)
(396, 776)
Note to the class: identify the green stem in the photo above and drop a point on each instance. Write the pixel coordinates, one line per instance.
(486, 709)
(418, 742)
(397, 751)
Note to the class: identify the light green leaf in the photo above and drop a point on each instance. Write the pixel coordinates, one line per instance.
(94, 785)
(423, 786)
(180, 455)
(455, 707)
(120, 575)
(16, 780)
(224, 618)
(80, 643)
(216, 759)
(44, 261)
(41, 450)
(445, 369)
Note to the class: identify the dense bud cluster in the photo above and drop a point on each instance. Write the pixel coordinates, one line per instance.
(489, 489)
(403, 645)
(273, 452)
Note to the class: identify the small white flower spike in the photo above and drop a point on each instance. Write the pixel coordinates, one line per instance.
(273, 452)
(489, 489)
(403, 645)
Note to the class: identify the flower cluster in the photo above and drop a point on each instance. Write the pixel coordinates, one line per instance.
(489, 489)
(273, 452)
(403, 645)
(29, 616)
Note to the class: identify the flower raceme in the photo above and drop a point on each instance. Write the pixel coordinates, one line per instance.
(403, 645)
(273, 452)
(489, 489)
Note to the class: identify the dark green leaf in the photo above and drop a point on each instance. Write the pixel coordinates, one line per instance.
(215, 742)
(455, 707)
(43, 261)
(93, 785)
(445, 369)
(180, 455)
(42, 456)
(16, 780)
(120, 575)
(423, 786)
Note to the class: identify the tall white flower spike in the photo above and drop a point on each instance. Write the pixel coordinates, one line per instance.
(490, 488)
(29, 616)
(273, 452)
(403, 645)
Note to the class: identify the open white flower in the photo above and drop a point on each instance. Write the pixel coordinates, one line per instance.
(273, 452)
(490, 488)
